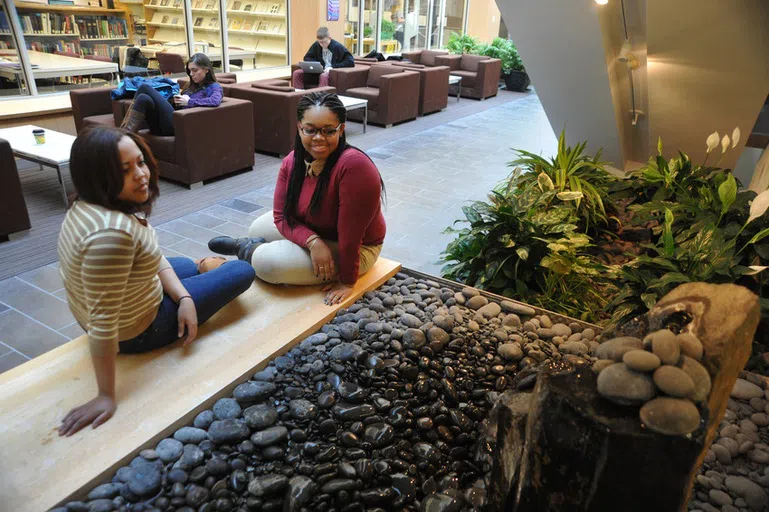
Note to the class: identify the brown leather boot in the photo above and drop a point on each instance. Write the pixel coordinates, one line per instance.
(133, 120)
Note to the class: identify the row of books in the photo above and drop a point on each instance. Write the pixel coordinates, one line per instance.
(177, 4)
(260, 7)
(54, 46)
(5, 27)
(236, 5)
(85, 27)
(109, 4)
(101, 49)
(249, 25)
(100, 27)
(48, 23)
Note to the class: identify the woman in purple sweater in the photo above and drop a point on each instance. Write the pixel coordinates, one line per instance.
(148, 105)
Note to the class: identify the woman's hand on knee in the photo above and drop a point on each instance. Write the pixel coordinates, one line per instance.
(322, 261)
(187, 318)
(95, 412)
(336, 293)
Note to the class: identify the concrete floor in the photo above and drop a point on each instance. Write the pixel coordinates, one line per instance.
(429, 175)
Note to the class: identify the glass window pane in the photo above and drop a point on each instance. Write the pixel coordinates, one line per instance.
(415, 24)
(257, 33)
(392, 27)
(206, 31)
(454, 19)
(351, 27)
(166, 32)
(369, 26)
(71, 46)
(11, 81)
(435, 28)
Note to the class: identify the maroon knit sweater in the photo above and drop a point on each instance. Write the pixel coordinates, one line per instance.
(350, 213)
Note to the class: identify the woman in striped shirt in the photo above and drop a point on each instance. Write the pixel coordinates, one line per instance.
(124, 293)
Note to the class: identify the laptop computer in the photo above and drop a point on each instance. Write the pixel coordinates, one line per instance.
(311, 67)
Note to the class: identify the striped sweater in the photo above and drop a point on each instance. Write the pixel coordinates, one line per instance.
(109, 263)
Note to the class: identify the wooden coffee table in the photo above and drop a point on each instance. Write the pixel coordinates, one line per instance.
(54, 153)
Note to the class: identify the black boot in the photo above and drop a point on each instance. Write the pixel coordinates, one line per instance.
(231, 246)
(234, 246)
(246, 250)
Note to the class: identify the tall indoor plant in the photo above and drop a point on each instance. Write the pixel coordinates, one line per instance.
(513, 72)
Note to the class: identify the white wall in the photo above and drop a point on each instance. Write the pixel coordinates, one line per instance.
(561, 44)
(708, 69)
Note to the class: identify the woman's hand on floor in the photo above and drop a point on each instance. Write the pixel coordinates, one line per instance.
(336, 293)
(187, 317)
(95, 412)
(322, 261)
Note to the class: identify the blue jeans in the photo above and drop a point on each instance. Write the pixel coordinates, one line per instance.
(157, 110)
(210, 292)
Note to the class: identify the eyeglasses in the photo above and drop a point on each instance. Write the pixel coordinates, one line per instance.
(311, 131)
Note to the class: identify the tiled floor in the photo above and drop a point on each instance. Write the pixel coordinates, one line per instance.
(428, 176)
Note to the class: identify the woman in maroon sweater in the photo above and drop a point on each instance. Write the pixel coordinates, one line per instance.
(326, 226)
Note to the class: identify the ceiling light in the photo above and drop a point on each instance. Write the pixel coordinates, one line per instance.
(602, 2)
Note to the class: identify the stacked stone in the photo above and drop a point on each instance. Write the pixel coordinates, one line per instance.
(735, 474)
(380, 410)
(662, 374)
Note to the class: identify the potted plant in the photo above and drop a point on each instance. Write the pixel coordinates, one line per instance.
(461, 43)
(513, 72)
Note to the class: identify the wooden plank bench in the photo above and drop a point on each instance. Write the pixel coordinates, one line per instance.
(158, 392)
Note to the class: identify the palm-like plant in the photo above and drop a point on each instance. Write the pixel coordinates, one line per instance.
(575, 177)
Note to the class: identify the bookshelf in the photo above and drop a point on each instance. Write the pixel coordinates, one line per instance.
(80, 29)
(253, 25)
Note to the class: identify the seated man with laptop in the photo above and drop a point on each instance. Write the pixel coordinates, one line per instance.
(324, 54)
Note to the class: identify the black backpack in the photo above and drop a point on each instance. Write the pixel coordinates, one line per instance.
(134, 57)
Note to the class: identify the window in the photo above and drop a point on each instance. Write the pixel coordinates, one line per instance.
(11, 76)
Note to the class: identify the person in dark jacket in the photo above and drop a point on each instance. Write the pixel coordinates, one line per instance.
(148, 105)
(328, 52)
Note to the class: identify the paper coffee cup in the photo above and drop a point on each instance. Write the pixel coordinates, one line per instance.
(39, 135)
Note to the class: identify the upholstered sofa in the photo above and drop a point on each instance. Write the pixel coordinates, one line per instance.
(274, 103)
(480, 74)
(208, 142)
(424, 57)
(392, 92)
(13, 209)
(433, 85)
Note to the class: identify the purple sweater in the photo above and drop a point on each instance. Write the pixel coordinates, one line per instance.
(211, 96)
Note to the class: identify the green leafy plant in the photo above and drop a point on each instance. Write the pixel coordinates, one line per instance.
(387, 29)
(576, 178)
(526, 241)
(538, 238)
(705, 229)
(505, 50)
(461, 43)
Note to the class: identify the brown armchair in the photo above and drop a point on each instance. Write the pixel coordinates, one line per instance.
(392, 92)
(274, 104)
(13, 209)
(433, 85)
(170, 63)
(208, 142)
(92, 107)
(480, 74)
(424, 57)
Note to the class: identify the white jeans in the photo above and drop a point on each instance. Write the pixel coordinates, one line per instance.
(281, 261)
